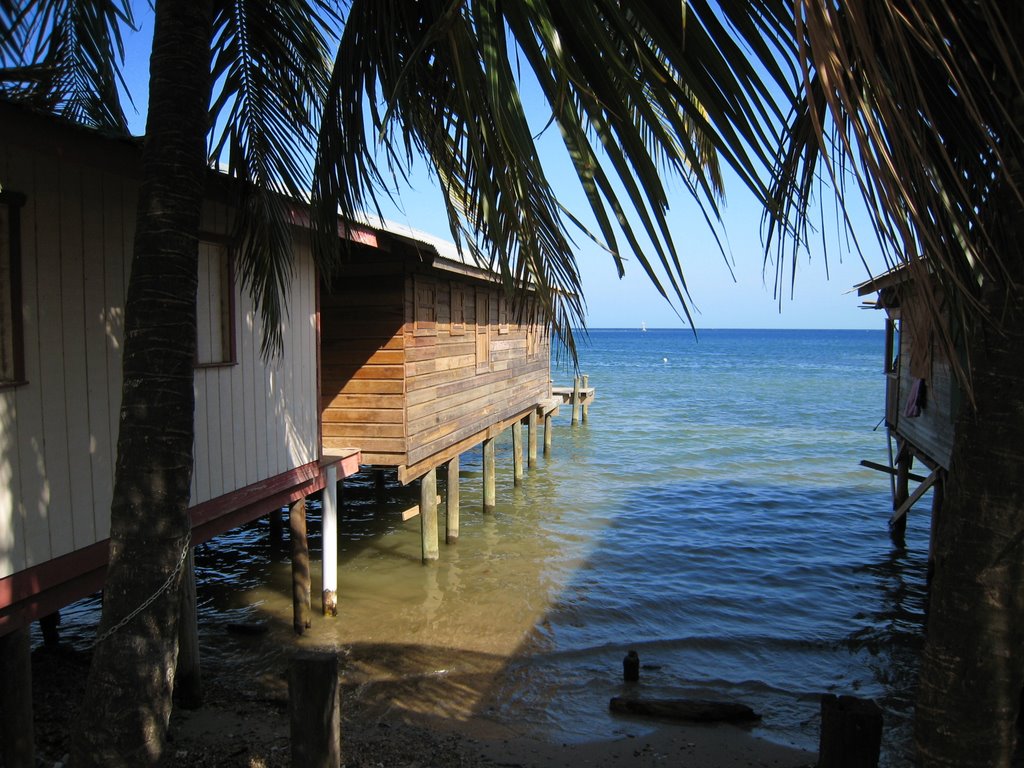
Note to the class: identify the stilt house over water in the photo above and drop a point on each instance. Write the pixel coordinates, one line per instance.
(921, 393)
(410, 357)
(422, 355)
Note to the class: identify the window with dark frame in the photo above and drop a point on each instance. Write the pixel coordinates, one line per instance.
(502, 314)
(424, 307)
(483, 332)
(532, 335)
(215, 310)
(12, 363)
(458, 311)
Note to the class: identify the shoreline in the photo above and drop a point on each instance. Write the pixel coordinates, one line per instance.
(243, 723)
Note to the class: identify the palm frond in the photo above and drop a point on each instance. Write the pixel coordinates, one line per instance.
(64, 57)
(270, 73)
(638, 91)
(915, 102)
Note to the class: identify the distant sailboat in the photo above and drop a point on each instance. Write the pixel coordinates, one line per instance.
(643, 326)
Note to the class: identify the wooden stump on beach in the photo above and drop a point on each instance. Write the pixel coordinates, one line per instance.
(17, 747)
(315, 710)
(851, 732)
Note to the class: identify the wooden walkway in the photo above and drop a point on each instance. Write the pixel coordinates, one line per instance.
(579, 395)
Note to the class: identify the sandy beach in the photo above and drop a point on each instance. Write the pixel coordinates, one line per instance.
(243, 723)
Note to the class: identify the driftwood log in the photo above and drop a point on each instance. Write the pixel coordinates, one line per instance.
(692, 710)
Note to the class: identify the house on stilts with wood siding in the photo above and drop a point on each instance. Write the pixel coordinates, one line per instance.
(423, 357)
(922, 394)
(406, 357)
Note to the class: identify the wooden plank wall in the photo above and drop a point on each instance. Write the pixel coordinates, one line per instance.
(415, 362)
(57, 444)
(932, 431)
(257, 418)
(463, 377)
(362, 356)
(58, 431)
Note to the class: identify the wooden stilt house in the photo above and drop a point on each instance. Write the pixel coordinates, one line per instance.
(67, 216)
(921, 394)
(422, 355)
(411, 356)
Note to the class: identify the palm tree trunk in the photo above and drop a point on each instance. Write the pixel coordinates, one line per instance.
(972, 670)
(128, 699)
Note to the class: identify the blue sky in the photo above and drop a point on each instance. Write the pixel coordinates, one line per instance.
(740, 298)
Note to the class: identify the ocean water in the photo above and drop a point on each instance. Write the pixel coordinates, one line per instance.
(738, 545)
(711, 514)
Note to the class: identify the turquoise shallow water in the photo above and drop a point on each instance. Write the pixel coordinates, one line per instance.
(711, 514)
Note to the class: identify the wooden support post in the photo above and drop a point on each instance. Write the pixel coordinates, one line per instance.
(451, 518)
(48, 626)
(17, 739)
(531, 426)
(188, 683)
(517, 453)
(851, 732)
(428, 516)
(937, 493)
(898, 525)
(276, 533)
(490, 500)
(301, 597)
(585, 406)
(330, 541)
(547, 434)
(575, 401)
(314, 706)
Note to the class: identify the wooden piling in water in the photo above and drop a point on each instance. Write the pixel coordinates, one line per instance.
(16, 726)
(904, 462)
(517, 453)
(547, 433)
(428, 516)
(451, 517)
(314, 707)
(531, 426)
(301, 597)
(48, 626)
(329, 522)
(490, 500)
(938, 491)
(188, 684)
(276, 533)
(585, 407)
(575, 401)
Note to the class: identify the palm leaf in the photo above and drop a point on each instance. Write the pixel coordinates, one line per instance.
(637, 90)
(270, 74)
(64, 57)
(901, 98)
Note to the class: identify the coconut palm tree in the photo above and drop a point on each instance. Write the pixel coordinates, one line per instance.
(268, 62)
(922, 102)
(638, 91)
(926, 107)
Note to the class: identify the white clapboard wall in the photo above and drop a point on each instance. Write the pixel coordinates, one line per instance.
(254, 419)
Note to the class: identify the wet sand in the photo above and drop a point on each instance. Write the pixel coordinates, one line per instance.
(243, 723)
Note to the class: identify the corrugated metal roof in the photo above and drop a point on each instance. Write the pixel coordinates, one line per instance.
(449, 256)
